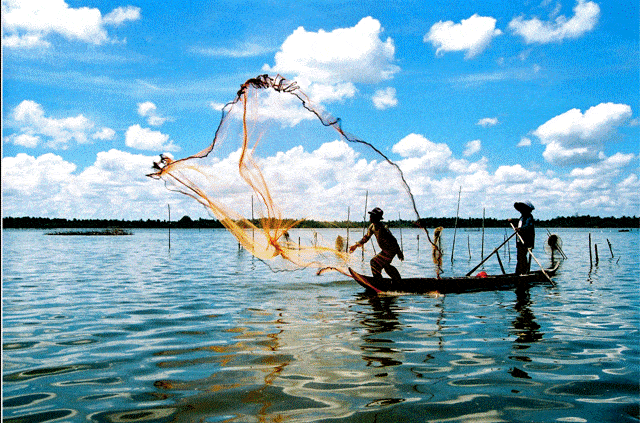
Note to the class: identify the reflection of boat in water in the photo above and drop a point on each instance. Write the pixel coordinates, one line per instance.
(525, 326)
(378, 350)
(279, 367)
(452, 284)
(355, 362)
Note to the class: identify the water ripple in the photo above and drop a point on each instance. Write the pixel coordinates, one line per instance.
(125, 330)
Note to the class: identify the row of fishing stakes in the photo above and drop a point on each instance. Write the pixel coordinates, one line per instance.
(507, 246)
(595, 250)
(455, 229)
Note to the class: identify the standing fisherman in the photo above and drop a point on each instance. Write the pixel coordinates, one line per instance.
(527, 232)
(388, 245)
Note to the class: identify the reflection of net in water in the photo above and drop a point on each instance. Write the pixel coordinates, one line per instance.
(274, 145)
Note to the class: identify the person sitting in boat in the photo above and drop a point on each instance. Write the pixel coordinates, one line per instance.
(388, 245)
(527, 232)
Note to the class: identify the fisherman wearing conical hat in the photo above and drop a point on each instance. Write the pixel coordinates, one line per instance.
(388, 245)
(527, 232)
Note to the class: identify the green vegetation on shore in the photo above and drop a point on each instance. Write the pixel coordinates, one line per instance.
(431, 222)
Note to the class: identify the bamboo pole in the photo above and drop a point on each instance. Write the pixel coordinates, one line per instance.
(348, 224)
(505, 237)
(482, 249)
(590, 256)
(455, 226)
(500, 262)
(493, 252)
(400, 224)
(253, 234)
(595, 246)
(610, 249)
(169, 207)
(364, 218)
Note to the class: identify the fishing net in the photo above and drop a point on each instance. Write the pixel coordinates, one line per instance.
(277, 164)
(553, 244)
(436, 249)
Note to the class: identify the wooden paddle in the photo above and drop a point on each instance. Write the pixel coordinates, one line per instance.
(515, 231)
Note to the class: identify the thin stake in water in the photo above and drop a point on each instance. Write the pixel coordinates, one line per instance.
(400, 224)
(482, 248)
(364, 218)
(455, 226)
(348, 224)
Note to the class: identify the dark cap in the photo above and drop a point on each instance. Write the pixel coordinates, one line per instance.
(377, 212)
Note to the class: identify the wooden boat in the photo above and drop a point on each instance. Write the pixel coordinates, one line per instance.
(449, 285)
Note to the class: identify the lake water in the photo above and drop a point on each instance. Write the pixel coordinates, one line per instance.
(122, 329)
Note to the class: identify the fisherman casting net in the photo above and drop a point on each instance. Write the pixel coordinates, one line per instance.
(278, 161)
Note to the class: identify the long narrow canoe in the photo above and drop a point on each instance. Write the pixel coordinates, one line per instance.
(448, 285)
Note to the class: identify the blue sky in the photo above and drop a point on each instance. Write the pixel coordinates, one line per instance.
(510, 100)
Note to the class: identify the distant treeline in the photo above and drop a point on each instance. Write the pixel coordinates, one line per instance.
(557, 222)
(55, 223)
(430, 222)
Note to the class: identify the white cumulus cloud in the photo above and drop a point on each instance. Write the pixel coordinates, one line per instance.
(585, 18)
(329, 179)
(114, 186)
(417, 145)
(28, 24)
(472, 147)
(35, 128)
(485, 122)
(149, 110)
(148, 139)
(25, 140)
(104, 134)
(385, 98)
(122, 14)
(524, 142)
(337, 59)
(27, 174)
(575, 138)
(420, 154)
(472, 35)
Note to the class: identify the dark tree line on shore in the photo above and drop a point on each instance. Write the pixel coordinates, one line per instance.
(431, 222)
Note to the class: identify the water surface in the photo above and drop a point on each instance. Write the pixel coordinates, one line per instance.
(122, 329)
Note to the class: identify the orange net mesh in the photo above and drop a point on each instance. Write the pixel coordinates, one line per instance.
(274, 145)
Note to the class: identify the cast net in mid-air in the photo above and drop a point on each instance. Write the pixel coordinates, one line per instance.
(278, 162)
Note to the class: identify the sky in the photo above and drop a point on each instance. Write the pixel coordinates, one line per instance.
(495, 101)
